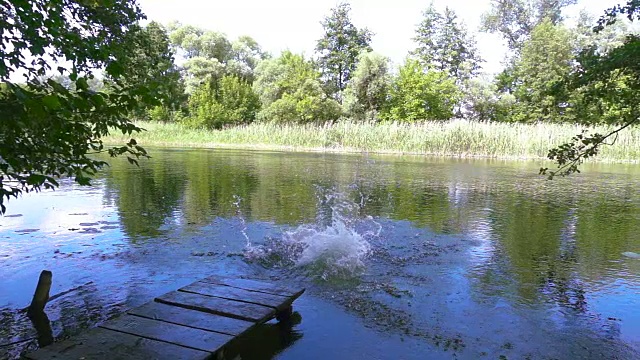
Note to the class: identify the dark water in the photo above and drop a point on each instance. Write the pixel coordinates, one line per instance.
(403, 257)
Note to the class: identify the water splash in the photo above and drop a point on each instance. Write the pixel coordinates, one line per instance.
(335, 246)
(243, 222)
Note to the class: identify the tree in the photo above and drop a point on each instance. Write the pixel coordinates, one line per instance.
(210, 54)
(290, 91)
(47, 130)
(444, 44)
(516, 19)
(226, 101)
(485, 103)
(366, 94)
(339, 48)
(152, 62)
(611, 80)
(546, 59)
(417, 94)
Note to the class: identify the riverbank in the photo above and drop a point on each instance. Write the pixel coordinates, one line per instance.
(456, 138)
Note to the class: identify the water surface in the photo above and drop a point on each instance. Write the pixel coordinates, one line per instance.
(403, 257)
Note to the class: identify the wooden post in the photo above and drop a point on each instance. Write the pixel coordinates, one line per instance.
(41, 296)
(36, 310)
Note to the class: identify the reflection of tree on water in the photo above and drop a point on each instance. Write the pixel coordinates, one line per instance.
(550, 243)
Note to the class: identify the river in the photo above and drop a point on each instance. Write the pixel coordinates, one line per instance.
(402, 257)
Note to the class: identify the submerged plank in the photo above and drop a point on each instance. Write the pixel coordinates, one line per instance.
(192, 318)
(254, 285)
(171, 333)
(219, 306)
(231, 293)
(106, 344)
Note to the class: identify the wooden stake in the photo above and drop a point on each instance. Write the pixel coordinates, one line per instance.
(36, 312)
(41, 296)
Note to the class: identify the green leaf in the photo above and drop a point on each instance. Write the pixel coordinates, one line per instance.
(81, 84)
(51, 102)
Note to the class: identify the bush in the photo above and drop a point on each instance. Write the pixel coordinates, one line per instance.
(422, 94)
(229, 100)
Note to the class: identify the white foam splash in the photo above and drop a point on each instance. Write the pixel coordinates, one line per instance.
(331, 250)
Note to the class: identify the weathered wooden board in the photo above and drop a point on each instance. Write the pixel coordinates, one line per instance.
(192, 318)
(219, 306)
(254, 285)
(231, 293)
(112, 345)
(171, 333)
(195, 322)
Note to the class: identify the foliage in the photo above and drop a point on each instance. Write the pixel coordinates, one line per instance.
(229, 100)
(545, 60)
(49, 131)
(366, 94)
(210, 54)
(151, 62)
(485, 103)
(290, 91)
(611, 88)
(516, 19)
(422, 94)
(339, 48)
(444, 44)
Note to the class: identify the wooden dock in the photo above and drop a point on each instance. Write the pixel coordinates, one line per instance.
(197, 321)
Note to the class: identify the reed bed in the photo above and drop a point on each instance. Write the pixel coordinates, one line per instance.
(455, 138)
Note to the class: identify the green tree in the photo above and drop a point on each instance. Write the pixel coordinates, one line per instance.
(610, 83)
(516, 19)
(47, 130)
(366, 94)
(483, 102)
(422, 94)
(444, 44)
(229, 100)
(545, 61)
(210, 54)
(290, 91)
(339, 48)
(152, 62)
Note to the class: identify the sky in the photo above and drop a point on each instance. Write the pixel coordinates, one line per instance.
(295, 24)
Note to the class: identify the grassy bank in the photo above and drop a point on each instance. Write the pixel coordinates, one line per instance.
(459, 138)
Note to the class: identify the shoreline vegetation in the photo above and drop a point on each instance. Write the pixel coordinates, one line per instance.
(454, 138)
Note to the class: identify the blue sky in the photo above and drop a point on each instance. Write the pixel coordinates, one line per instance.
(295, 24)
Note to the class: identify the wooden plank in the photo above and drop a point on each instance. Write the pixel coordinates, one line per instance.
(254, 285)
(171, 333)
(107, 344)
(231, 293)
(218, 306)
(192, 318)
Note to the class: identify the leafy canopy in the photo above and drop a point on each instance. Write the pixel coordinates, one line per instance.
(516, 19)
(220, 102)
(290, 91)
(422, 94)
(444, 44)
(339, 48)
(47, 130)
(211, 54)
(610, 83)
(366, 94)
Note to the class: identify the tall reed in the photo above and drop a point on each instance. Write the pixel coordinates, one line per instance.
(458, 138)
